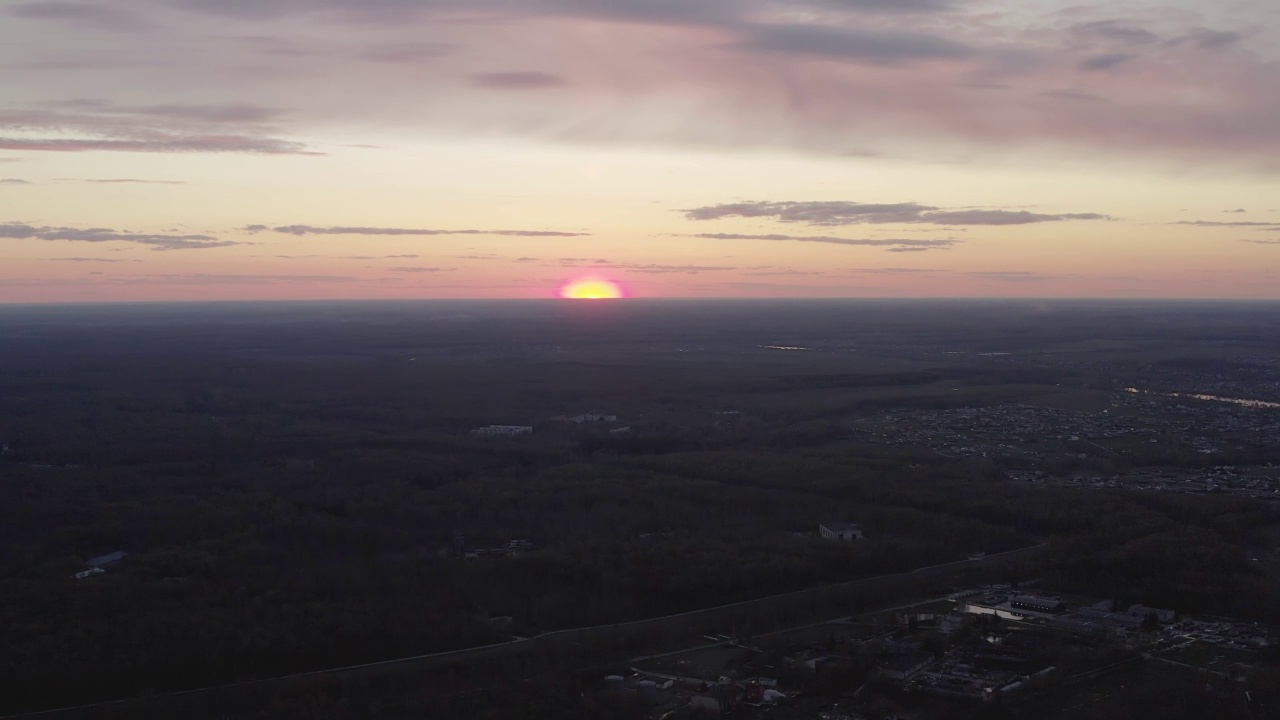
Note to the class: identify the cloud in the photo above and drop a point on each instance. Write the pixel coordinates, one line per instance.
(1013, 276)
(173, 144)
(1074, 95)
(404, 269)
(344, 257)
(408, 52)
(813, 213)
(891, 6)
(658, 75)
(1218, 223)
(1236, 211)
(797, 288)
(784, 273)
(14, 181)
(1003, 217)
(398, 12)
(894, 271)
(832, 213)
(1263, 242)
(1107, 61)
(1117, 32)
(526, 259)
(651, 269)
(854, 45)
(10, 159)
(231, 279)
(95, 125)
(1211, 39)
(186, 279)
(656, 12)
(867, 242)
(122, 181)
(90, 260)
(20, 231)
(99, 17)
(517, 80)
(206, 113)
(301, 230)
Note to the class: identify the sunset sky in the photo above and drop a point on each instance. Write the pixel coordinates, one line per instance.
(300, 149)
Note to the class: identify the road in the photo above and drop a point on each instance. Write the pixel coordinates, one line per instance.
(527, 646)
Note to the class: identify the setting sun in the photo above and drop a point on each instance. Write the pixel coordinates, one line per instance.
(591, 289)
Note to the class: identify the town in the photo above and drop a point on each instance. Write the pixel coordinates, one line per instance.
(993, 645)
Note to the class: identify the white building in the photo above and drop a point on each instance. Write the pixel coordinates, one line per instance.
(840, 531)
(503, 430)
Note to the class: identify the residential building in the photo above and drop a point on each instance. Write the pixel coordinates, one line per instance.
(840, 531)
(503, 430)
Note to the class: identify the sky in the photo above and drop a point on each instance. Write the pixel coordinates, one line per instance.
(331, 149)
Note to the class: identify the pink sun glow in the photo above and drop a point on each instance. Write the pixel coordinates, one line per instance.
(591, 289)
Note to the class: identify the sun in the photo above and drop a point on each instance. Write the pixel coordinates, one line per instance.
(591, 289)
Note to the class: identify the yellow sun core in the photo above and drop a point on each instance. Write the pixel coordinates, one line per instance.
(591, 289)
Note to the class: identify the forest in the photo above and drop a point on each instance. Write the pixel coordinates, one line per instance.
(300, 493)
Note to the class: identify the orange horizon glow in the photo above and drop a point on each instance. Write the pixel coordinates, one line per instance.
(591, 289)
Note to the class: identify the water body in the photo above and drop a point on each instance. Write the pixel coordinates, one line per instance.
(1243, 402)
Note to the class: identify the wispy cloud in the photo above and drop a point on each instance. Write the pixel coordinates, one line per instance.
(1074, 96)
(1222, 223)
(834, 213)
(21, 231)
(91, 260)
(14, 181)
(408, 52)
(784, 273)
(646, 268)
(100, 17)
(233, 279)
(1013, 276)
(1106, 61)
(895, 271)
(920, 243)
(1116, 32)
(871, 47)
(889, 6)
(172, 144)
(302, 230)
(95, 125)
(1206, 39)
(819, 76)
(527, 80)
(122, 181)
(411, 269)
